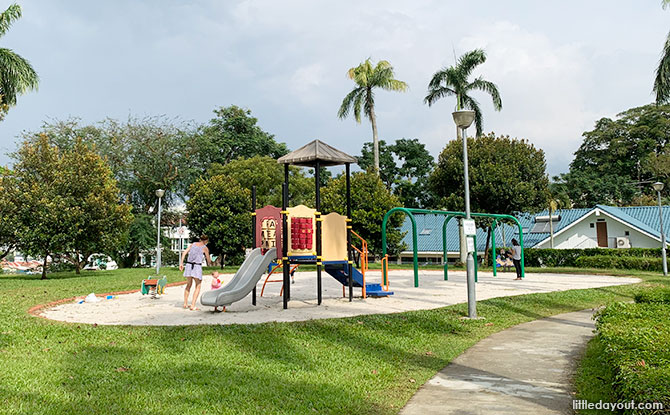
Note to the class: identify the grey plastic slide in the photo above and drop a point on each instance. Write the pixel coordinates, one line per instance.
(245, 279)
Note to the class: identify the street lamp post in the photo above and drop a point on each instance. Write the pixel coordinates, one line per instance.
(658, 186)
(463, 120)
(159, 194)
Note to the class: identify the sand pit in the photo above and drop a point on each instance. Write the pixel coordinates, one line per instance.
(433, 292)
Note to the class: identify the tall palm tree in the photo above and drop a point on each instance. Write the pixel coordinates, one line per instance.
(662, 81)
(368, 77)
(16, 74)
(454, 81)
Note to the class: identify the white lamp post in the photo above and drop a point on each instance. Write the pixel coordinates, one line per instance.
(159, 193)
(463, 120)
(658, 186)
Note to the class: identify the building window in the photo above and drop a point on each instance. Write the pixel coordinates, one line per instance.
(627, 233)
(592, 225)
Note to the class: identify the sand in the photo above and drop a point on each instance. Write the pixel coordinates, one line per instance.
(433, 292)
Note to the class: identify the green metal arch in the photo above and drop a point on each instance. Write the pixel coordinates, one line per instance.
(409, 211)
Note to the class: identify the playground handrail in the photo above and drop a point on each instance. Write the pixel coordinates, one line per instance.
(364, 256)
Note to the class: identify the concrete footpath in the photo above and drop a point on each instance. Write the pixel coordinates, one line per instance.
(526, 369)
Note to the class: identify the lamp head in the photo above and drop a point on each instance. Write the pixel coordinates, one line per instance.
(658, 186)
(464, 118)
(160, 193)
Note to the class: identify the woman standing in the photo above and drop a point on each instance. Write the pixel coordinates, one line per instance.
(516, 258)
(193, 257)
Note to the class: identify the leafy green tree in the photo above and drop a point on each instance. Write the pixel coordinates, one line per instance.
(9, 225)
(220, 208)
(234, 134)
(369, 77)
(618, 156)
(92, 200)
(454, 81)
(268, 176)
(140, 238)
(144, 154)
(662, 80)
(370, 200)
(405, 167)
(507, 175)
(17, 76)
(388, 169)
(67, 201)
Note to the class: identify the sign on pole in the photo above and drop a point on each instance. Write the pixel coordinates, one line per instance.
(470, 244)
(469, 227)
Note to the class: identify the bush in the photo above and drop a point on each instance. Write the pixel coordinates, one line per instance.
(535, 257)
(655, 295)
(635, 339)
(620, 262)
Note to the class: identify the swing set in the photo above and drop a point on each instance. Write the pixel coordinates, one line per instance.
(448, 216)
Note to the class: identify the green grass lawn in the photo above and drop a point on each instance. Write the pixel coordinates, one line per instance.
(368, 364)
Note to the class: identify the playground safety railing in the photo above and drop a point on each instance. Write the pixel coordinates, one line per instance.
(385, 272)
(363, 252)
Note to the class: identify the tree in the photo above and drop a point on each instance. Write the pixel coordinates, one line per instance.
(507, 176)
(144, 154)
(139, 238)
(405, 167)
(92, 201)
(268, 176)
(234, 134)
(67, 201)
(662, 80)
(618, 156)
(368, 77)
(17, 76)
(454, 81)
(9, 226)
(219, 207)
(370, 201)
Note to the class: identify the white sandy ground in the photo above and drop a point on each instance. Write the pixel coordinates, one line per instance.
(433, 292)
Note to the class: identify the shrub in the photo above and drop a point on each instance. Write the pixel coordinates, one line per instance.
(655, 295)
(620, 262)
(635, 339)
(535, 257)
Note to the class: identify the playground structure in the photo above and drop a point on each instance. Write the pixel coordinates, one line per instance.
(448, 216)
(292, 236)
(154, 287)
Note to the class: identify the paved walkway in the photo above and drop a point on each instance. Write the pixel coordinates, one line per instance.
(525, 369)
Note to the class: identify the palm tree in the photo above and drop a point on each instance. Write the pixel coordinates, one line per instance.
(454, 81)
(368, 77)
(662, 81)
(16, 74)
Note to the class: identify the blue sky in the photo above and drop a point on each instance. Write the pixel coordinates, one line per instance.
(559, 65)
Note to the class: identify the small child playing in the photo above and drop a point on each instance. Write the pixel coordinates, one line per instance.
(216, 281)
(216, 284)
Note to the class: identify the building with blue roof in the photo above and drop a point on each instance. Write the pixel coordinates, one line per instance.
(601, 226)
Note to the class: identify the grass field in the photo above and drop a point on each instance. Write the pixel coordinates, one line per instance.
(367, 364)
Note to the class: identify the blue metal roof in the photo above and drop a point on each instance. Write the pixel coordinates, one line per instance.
(429, 227)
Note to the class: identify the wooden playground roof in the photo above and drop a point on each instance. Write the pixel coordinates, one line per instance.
(317, 150)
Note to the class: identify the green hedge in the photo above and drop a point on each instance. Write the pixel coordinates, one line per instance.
(620, 262)
(636, 338)
(655, 295)
(568, 257)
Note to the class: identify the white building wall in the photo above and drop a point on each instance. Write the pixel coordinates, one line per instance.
(582, 235)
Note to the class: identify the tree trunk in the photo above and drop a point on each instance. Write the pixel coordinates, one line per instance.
(44, 267)
(77, 265)
(375, 136)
